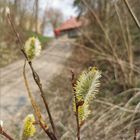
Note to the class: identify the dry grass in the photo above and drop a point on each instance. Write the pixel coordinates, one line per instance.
(114, 117)
(113, 42)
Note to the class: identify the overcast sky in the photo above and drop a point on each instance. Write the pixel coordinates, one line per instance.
(64, 5)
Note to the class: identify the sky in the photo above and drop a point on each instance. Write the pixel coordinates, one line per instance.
(64, 5)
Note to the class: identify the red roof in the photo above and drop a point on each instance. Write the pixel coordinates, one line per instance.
(69, 24)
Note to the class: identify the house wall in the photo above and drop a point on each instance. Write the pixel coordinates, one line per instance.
(71, 33)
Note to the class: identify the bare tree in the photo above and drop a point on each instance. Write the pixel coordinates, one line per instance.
(36, 14)
(51, 16)
(54, 16)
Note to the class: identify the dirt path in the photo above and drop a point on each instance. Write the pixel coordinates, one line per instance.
(12, 90)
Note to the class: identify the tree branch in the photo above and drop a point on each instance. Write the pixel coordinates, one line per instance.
(77, 106)
(34, 73)
(36, 108)
(132, 13)
(2, 132)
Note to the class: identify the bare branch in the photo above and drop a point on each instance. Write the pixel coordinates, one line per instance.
(77, 106)
(36, 108)
(132, 13)
(2, 132)
(35, 75)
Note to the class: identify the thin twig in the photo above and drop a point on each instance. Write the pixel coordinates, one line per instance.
(77, 118)
(114, 54)
(35, 75)
(128, 48)
(132, 13)
(77, 106)
(135, 134)
(36, 108)
(37, 80)
(115, 106)
(3, 133)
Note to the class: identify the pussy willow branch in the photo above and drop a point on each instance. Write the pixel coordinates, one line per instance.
(77, 106)
(135, 134)
(77, 118)
(37, 80)
(35, 107)
(132, 13)
(34, 73)
(3, 133)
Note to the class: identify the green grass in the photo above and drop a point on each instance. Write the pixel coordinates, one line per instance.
(43, 39)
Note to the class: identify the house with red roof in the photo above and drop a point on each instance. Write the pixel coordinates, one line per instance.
(70, 28)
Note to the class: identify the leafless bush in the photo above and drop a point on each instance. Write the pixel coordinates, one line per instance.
(110, 34)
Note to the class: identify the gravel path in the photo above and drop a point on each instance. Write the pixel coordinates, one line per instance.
(13, 94)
